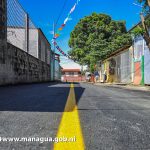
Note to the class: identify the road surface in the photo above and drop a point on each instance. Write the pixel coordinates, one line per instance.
(97, 117)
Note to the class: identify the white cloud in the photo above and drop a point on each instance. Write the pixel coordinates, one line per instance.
(70, 65)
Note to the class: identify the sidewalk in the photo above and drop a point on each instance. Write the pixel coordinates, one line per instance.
(125, 86)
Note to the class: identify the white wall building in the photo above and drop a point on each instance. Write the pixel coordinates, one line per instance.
(39, 46)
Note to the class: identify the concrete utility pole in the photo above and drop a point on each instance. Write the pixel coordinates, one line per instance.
(3, 31)
(145, 35)
(148, 1)
(143, 23)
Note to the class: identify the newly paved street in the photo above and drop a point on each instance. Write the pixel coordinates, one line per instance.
(103, 118)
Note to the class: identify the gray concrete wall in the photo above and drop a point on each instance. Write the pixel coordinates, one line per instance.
(16, 36)
(44, 47)
(16, 65)
(3, 31)
(22, 68)
(39, 47)
(146, 66)
(126, 66)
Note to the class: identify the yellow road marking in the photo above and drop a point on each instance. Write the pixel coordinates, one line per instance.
(70, 125)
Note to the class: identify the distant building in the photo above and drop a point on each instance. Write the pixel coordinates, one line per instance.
(71, 75)
(39, 46)
(57, 67)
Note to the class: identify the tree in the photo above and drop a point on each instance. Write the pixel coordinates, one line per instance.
(95, 37)
(145, 4)
(143, 28)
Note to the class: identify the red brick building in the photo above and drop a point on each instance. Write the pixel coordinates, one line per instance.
(71, 75)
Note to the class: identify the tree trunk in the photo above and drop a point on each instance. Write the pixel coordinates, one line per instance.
(147, 40)
(148, 44)
(146, 35)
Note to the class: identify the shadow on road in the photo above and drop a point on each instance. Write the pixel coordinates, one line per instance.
(45, 97)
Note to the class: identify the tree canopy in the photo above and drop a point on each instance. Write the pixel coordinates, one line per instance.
(95, 37)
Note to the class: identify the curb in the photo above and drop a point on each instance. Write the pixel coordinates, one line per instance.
(128, 87)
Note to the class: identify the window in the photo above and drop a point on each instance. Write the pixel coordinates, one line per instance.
(71, 73)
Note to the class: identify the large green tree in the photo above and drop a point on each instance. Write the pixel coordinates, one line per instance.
(95, 37)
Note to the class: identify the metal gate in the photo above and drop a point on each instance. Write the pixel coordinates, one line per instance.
(118, 68)
(126, 63)
(147, 66)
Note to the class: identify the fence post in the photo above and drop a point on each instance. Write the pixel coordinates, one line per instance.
(3, 31)
(27, 33)
(27, 42)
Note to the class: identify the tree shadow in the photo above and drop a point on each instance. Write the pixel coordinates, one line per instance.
(44, 97)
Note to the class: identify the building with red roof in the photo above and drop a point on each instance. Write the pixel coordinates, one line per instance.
(71, 75)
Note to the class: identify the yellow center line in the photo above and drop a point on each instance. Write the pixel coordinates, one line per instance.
(70, 125)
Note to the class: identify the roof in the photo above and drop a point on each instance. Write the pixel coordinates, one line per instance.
(124, 48)
(71, 70)
(120, 50)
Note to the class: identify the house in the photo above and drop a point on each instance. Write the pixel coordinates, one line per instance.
(118, 66)
(141, 62)
(129, 64)
(141, 57)
(71, 75)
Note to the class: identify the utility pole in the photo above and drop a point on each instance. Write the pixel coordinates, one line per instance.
(148, 1)
(146, 34)
(54, 26)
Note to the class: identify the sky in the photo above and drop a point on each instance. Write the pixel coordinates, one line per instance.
(44, 13)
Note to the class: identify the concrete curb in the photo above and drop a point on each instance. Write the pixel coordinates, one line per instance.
(123, 86)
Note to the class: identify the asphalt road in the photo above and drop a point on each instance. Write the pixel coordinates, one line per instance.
(110, 118)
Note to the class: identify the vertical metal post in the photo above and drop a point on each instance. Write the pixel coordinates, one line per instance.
(27, 33)
(3, 31)
(54, 51)
(27, 42)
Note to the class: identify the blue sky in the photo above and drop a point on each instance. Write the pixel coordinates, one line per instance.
(44, 12)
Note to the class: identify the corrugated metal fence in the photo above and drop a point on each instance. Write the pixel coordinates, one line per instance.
(19, 26)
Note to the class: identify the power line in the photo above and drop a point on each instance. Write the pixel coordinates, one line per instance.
(65, 2)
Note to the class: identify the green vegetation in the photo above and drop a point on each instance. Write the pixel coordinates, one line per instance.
(143, 28)
(145, 4)
(95, 37)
